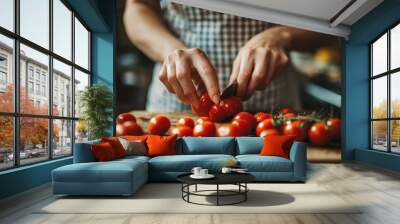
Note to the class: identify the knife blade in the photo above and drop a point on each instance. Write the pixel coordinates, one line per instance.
(229, 91)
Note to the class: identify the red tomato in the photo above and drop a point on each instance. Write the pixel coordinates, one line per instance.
(286, 110)
(228, 130)
(204, 106)
(159, 125)
(290, 115)
(217, 113)
(183, 131)
(260, 116)
(266, 132)
(186, 121)
(296, 128)
(129, 128)
(319, 134)
(125, 117)
(248, 117)
(244, 126)
(225, 109)
(205, 129)
(202, 119)
(232, 106)
(263, 125)
(334, 128)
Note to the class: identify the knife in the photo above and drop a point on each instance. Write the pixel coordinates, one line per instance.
(229, 90)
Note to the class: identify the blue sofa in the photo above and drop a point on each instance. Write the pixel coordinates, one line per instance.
(125, 176)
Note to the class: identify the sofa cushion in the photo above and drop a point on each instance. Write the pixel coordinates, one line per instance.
(83, 152)
(112, 171)
(277, 145)
(161, 145)
(116, 145)
(257, 163)
(134, 147)
(133, 158)
(249, 145)
(207, 145)
(103, 152)
(185, 163)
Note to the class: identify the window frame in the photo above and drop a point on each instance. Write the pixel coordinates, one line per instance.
(388, 74)
(16, 114)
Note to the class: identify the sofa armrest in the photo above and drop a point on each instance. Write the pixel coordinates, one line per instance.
(83, 152)
(298, 155)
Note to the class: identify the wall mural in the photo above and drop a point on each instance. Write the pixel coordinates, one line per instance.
(286, 80)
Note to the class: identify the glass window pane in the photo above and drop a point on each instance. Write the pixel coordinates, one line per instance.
(62, 138)
(81, 45)
(62, 89)
(395, 94)
(34, 96)
(6, 142)
(7, 14)
(62, 29)
(6, 74)
(81, 81)
(379, 135)
(81, 131)
(33, 139)
(395, 135)
(379, 56)
(395, 47)
(379, 97)
(35, 21)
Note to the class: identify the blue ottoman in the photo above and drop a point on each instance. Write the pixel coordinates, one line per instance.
(118, 177)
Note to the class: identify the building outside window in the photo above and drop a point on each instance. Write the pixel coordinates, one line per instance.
(3, 77)
(37, 74)
(43, 90)
(3, 60)
(30, 87)
(3, 72)
(30, 72)
(44, 77)
(385, 91)
(57, 128)
(38, 89)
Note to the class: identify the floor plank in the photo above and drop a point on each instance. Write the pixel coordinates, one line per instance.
(376, 190)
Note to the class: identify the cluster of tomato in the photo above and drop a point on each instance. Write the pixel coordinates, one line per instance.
(223, 111)
(285, 122)
(316, 131)
(243, 124)
(126, 125)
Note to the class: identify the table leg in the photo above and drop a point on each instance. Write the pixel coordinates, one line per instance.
(245, 193)
(188, 189)
(195, 188)
(217, 194)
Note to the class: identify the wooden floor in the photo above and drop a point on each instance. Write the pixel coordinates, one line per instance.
(378, 189)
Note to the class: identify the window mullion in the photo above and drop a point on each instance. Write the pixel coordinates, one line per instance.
(73, 82)
(389, 114)
(16, 70)
(50, 81)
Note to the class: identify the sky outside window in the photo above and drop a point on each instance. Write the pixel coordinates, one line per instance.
(62, 29)
(379, 56)
(7, 14)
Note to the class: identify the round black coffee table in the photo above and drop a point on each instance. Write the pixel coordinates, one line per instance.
(238, 179)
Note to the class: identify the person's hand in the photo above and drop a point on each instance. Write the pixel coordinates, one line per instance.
(186, 72)
(260, 60)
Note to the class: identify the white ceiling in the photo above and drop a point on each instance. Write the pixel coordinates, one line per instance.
(319, 9)
(315, 15)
